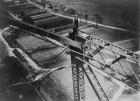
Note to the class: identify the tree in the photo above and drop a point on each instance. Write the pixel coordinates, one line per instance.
(43, 3)
(86, 16)
(98, 18)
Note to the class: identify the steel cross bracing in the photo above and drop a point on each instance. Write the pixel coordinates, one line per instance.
(78, 83)
(78, 71)
(115, 52)
(78, 92)
(97, 86)
(90, 40)
(78, 76)
(79, 53)
(130, 56)
(93, 46)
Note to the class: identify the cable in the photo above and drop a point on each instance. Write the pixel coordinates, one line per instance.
(121, 65)
(49, 40)
(81, 54)
(50, 72)
(20, 83)
(100, 54)
(105, 74)
(59, 53)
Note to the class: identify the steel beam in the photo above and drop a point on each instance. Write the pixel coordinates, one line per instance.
(78, 76)
(39, 31)
(116, 60)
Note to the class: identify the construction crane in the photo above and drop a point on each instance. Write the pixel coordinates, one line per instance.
(90, 47)
(78, 72)
(83, 48)
(80, 57)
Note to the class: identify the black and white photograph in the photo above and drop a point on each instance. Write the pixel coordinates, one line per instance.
(69, 50)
